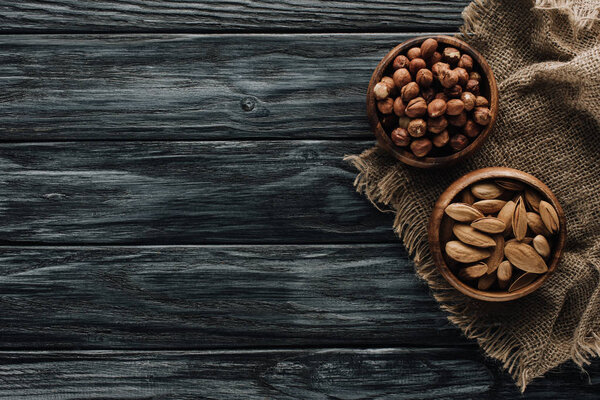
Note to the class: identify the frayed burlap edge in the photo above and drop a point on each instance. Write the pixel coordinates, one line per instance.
(580, 17)
(493, 339)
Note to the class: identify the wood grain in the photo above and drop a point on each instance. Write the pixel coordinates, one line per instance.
(200, 297)
(393, 373)
(37, 16)
(193, 87)
(185, 193)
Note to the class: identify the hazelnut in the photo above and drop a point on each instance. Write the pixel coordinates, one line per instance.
(482, 115)
(458, 120)
(428, 94)
(401, 77)
(399, 107)
(413, 53)
(441, 95)
(469, 99)
(415, 65)
(455, 107)
(463, 76)
(428, 47)
(481, 101)
(390, 82)
(448, 78)
(417, 127)
(424, 78)
(400, 137)
(436, 108)
(472, 86)
(458, 142)
(421, 147)
(385, 106)
(389, 122)
(417, 107)
(400, 62)
(403, 122)
(438, 67)
(437, 125)
(409, 91)
(381, 91)
(454, 92)
(441, 139)
(475, 76)
(466, 62)
(451, 55)
(435, 58)
(471, 129)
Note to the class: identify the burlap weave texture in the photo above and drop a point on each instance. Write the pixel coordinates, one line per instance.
(546, 58)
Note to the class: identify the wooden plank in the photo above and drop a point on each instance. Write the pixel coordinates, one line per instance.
(185, 193)
(228, 16)
(395, 373)
(200, 297)
(198, 87)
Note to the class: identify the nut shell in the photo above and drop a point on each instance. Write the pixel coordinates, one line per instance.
(400, 61)
(417, 127)
(421, 147)
(414, 52)
(399, 106)
(417, 107)
(409, 91)
(401, 77)
(436, 108)
(424, 78)
(415, 65)
(455, 107)
(428, 47)
(400, 137)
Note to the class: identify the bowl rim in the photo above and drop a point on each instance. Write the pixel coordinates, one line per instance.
(452, 191)
(405, 156)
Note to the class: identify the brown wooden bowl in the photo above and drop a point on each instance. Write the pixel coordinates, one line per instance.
(488, 89)
(440, 221)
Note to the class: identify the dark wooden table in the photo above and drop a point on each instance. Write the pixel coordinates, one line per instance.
(177, 220)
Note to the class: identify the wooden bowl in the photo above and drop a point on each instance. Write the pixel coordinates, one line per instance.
(488, 89)
(439, 222)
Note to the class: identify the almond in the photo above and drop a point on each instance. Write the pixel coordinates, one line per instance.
(541, 245)
(472, 272)
(509, 184)
(536, 225)
(533, 199)
(489, 206)
(467, 197)
(486, 281)
(489, 225)
(486, 191)
(470, 235)
(524, 257)
(522, 281)
(464, 253)
(519, 220)
(497, 254)
(462, 212)
(549, 216)
(505, 215)
(504, 273)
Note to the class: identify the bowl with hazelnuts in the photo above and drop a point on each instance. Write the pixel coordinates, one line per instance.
(432, 101)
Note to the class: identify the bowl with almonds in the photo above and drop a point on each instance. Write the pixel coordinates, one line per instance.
(432, 101)
(497, 234)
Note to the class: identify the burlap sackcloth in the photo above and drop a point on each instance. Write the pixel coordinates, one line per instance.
(546, 58)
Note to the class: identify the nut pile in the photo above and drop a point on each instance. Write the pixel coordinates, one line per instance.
(499, 235)
(431, 105)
